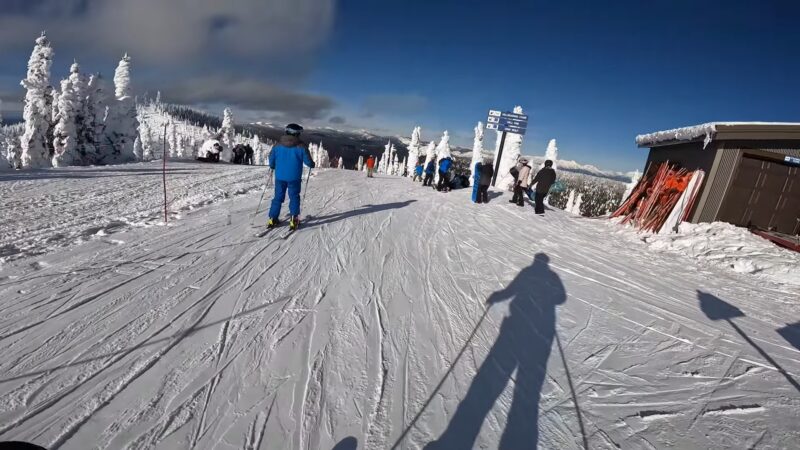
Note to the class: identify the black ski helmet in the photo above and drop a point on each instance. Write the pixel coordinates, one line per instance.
(294, 129)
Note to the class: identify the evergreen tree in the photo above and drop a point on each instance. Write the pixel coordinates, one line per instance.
(121, 121)
(477, 150)
(65, 140)
(38, 107)
(95, 117)
(138, 150)
(442, 151)
(228, 134)
(413, 150)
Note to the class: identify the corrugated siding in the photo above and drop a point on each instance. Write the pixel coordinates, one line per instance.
(722, 178)
(726, 170)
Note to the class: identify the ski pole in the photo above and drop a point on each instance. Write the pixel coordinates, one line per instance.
(255, 214)
(302, 200)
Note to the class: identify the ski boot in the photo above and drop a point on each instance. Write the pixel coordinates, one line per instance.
(272, 223)
(294, 222)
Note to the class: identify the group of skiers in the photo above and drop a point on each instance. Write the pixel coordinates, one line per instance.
(288, 157)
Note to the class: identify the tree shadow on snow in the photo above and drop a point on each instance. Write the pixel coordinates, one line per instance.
(366, 209)
(523, 345)
(717, 309)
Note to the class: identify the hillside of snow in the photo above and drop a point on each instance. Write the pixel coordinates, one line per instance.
(396, 317)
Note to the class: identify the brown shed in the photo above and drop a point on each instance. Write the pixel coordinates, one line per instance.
(752, 171)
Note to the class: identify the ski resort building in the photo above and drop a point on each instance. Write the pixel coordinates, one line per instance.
(752, 171)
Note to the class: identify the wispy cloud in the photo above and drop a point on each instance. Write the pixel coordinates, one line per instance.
(249, 94)
(171, 32)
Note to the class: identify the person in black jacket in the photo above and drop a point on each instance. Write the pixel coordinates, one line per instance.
(543, 180)
(486, 174)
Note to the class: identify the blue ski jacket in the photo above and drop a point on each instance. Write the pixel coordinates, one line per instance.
(444, 165)
(431, 167)
(287, 159)
(418, 169)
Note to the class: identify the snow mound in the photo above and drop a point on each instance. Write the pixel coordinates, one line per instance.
(725, 245)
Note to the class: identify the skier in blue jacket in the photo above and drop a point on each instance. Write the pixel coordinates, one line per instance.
(286, 160)
(430, 169)
(444, 174)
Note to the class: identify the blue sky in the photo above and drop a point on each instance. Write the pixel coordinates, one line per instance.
(590, 74)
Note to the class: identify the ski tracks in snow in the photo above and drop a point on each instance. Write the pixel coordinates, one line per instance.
(198, 335)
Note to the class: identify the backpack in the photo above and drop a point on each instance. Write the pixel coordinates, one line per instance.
(514, 172)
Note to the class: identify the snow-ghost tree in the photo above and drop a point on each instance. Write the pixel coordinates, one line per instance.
(442, 151)
(138, 150)
(631, 186)
(383, 164)
(13, 152)
(341, 163)
(570, 201)
(360, 164)
(172, 139)
(38, 106)
(324, 159)
(95, 115)
(146, 139)
(477, 150)
(576, 208)
(121, 122)
(65, 136)
(83, 123)
(551, 153)
(227, 135)
(511, 152)
(430, 153)
(413, 151)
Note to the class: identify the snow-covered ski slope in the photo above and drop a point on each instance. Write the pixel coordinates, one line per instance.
(397, 316)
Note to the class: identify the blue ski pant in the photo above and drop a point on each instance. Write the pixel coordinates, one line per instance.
(280, 195)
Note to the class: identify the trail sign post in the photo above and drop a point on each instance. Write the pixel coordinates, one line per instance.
(505, 122)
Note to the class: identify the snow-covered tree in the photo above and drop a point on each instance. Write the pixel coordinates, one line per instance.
(570, 201)
(146, 139)
(228, 133)
(477, 150)
(80, 87)
(95, 116)
(442, 151)
(121, 121)
(13, 152)
(383, 163)
(430, 153)
(413, 150)
(576, 208)
(158, 99)
(138, 150)
(511, 152)
(551, 153)
(360, 164)
(38, 106)
(324, 158)
(65, 140)
(341, 163)
(632, 185)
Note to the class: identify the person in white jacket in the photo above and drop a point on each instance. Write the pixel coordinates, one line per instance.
(522, 182)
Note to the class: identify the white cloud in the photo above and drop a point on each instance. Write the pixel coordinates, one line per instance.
(173, 32)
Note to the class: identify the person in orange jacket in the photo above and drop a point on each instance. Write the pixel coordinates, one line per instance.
(370, 166)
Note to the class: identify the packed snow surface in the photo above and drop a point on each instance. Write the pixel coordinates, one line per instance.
(395, 317)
